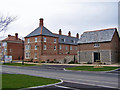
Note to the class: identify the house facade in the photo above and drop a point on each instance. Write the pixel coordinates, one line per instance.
(103, 45)
(12, 46)
(43, 45)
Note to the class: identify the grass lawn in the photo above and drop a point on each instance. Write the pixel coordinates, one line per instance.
(18, 64)
(18, 81)
(91, 68)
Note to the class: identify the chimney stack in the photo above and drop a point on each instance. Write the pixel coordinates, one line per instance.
(16, 36)
(41, 22)
(60, 32)
(9, 35)
(69, 33)
(77, 35)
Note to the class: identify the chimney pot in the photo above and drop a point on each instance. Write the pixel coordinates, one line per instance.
(77, 35)
(16, 36)
(60, 32)
(41, 22)
(9, 35)
(69, 33)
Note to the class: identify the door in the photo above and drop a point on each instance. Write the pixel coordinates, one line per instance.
(96, 56)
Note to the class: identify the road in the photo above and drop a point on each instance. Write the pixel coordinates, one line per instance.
(72, 79)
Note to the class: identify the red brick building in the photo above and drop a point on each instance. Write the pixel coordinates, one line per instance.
(12, 46)
(103, 45)
(42, 44)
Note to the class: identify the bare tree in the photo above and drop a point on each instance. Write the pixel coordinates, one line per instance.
(5, 21)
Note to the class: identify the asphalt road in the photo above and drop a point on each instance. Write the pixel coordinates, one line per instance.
(72, 79)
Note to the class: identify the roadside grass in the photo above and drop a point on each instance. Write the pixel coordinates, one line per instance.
(18, 81)
(18, 64)
(91, 68)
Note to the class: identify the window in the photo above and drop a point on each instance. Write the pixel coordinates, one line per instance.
(28, 40)
(44, 39)
(27, 55)
(72, 41)
(96, 45)
(36, 39)
(45, 47)
(35, 47)
(63, 40)
(54, 47)
(75, 48)
(27, 47)
(70, 47)
(60, 47)
(0, 44)
(54, 40)
(35, 55)
(66, 47)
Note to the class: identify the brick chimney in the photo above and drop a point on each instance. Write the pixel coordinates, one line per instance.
(16, 36)
(77, 35)
(60, 32)
(41, 22)
(9, 35)
(69, 33)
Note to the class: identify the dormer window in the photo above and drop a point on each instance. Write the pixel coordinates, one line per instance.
(63, 40)
(96, 45)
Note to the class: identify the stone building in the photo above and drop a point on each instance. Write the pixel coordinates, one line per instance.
(103, 45)
(12, 46)
(43, 45)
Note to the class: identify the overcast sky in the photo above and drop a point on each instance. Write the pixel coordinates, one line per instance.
(69, 15)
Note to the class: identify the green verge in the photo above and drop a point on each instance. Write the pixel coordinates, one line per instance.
(18, 64)
(91, 68)
(18, 81)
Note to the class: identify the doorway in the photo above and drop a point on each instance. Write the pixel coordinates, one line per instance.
(96, 56)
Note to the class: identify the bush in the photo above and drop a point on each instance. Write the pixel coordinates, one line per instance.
(51, 62)
(42, 61)
(71, 62)
(89, 62)
(48, 60)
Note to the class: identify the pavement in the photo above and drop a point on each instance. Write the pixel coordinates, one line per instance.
(72, 80)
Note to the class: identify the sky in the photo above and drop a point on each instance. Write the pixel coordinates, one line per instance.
(76, 16)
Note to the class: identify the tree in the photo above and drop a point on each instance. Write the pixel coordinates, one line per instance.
(5, 21)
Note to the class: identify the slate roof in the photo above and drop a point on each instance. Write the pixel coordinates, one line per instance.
(67, 39)
(46, 32)
(41, 31)
(104, 35)
(11, 38)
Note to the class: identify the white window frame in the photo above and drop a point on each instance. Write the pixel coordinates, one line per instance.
(45, 47)
(35, 39)
(70, 47)
(45, 39)
(55, 40)
(54, 47)
(28, 40)
(27, 47)
(35, 55)
(60, 47)
(96, 45)
(66, 48)
(27, 53)
(35, 47)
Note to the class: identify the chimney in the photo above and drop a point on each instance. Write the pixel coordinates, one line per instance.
(77, 35)
(9, 35)
(69, 33)
(41, 22)
(60, 32)
(16, 36)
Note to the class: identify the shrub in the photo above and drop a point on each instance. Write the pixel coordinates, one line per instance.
(48, 60)
(65, 60)
(42, 61)
(71, 62)
(89, 62)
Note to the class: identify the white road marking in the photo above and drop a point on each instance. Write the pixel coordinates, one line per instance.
(90, 84)
(66, 87)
